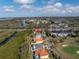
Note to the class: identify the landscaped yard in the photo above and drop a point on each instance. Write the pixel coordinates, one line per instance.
(72, 50)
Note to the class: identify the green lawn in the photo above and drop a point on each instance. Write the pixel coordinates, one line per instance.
(5, 36)
(11, 49)
(1, 32)
(72, 50)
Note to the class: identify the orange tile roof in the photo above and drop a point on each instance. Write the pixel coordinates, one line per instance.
(39, 39)
(41, 52)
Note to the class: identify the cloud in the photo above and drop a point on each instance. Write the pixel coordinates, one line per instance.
(52, 7)
(25, 6)
(24, 1)
(59, 8)
(73, 9)
(8, 9)
(55, 8)
(58, 4)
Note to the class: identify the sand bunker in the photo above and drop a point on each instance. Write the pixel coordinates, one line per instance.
(65, 45)
(77, 52)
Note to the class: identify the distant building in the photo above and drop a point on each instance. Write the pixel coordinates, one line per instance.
(23, 23)
(45, 21)
(38, 30)
(61, 29)
(64, 33)
(32, 21)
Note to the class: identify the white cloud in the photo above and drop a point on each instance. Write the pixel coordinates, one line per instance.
(58, 4)
(56, 8)
(24, 1)
(59, 8)
(25, 6)
(73, 9)
(53, 7)
(8, 9)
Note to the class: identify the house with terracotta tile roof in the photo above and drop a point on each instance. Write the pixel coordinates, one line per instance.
(42, 53)
(39, 40)
(38, 30)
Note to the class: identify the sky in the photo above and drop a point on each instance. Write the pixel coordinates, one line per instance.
(34, 8)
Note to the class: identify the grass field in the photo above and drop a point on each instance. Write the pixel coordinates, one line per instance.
(11, 49)
(1, 32)
(72, 50)
(2, 38)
